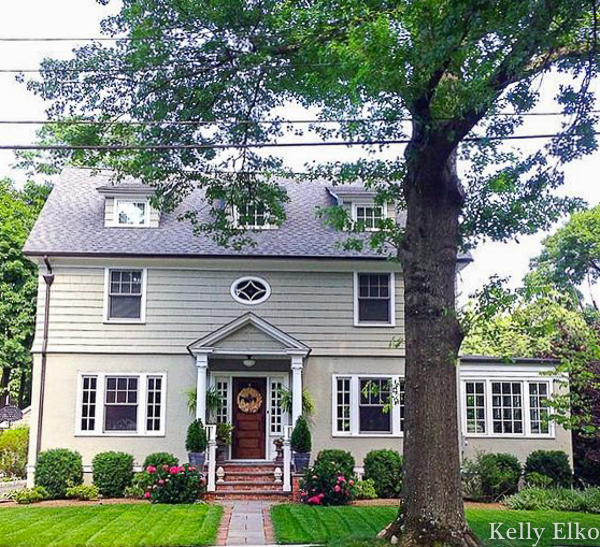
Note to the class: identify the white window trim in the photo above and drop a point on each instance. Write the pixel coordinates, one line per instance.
(354, 408)
(250, 278)
(236, 222)
(384, 212)
(141, 410)
(145, 224)
(106, 311)
(524, 381)
(392, 322)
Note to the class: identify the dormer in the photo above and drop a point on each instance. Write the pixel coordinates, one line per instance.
(360, 204)
(128, 206)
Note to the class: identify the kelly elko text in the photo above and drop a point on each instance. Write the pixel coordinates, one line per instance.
(525, 531)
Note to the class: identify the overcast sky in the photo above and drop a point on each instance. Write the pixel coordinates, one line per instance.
(80, 18)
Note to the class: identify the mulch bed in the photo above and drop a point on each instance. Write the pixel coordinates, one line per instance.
(468, 504)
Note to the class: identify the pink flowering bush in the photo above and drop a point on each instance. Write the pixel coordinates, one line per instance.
(327, 483)
(171, 483)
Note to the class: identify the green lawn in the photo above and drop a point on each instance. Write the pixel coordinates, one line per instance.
(306, 524)
(142, 525)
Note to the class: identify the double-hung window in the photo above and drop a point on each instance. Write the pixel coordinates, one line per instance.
(114, 404)
(252, 216)
(374, 299)
(506, 407)
(125, 295)
(131, 213)
(369, 216)
(367, 405)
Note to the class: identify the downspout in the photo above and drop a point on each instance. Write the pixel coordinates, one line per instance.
(48, 279)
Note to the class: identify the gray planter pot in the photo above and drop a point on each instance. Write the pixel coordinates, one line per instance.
(197, 459)
(301, 460)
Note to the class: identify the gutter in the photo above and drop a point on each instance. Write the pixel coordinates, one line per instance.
(48, 279)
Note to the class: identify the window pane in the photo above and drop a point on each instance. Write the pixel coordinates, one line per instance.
(88, 408)
(374, 310)
(507, 409)
(131, 213)
(120, 418)
(374, 298)
(153, 410)
(539, 408)
(343, 404)
(475, 407)
(374, 419)
(374, 406)
(125, 307)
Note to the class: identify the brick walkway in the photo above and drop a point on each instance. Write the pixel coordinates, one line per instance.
(246, 523)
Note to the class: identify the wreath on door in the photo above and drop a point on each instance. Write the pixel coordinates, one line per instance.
(249, 400)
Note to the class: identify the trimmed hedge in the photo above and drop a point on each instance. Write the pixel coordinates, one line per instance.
(113, 472)
(158, 459)
(196, 440)
(57, 470)
(343, 458)
(554, 464)
(385, 468)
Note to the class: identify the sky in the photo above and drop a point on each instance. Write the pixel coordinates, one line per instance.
(81, 18)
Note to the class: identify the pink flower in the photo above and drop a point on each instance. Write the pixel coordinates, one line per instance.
(321, 495)
(165, 467)
(146, 495)
(341, 479)
(174, 470)
(337, 488)
(315, 477)
(151, 469)
(351, 482)
(191, 468)
(161, 482)
(315, 500)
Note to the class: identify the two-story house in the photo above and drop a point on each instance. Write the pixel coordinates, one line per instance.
(135, 310)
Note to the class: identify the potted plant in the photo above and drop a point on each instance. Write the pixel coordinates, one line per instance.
(224, 435)
(309, 406)
(301, 444)
(196, 443)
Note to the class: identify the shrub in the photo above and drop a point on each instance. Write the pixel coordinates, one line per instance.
(113, 472)
(491, 476)
(537, 480)
(385, 469)
(553, 499)
(83, 492)
(134, 492)
(344, 458)
(196, 440)
(301, 440)
(365, 490)
(325, 484)
(31, 495)
(552, 463)
(13, 452)
(175, 484)
(157, 459)
(58, 469)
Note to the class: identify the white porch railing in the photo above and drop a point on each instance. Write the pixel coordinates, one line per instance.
(211, 458)
(287, 458)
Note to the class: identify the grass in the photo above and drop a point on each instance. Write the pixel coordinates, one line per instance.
(127, 525)
(306, 524)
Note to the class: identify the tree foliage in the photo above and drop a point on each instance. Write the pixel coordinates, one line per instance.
(18, 288)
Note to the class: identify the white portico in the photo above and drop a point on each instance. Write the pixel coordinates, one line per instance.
(249, 359)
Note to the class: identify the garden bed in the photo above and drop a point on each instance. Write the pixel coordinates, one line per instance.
(71, 503)
(111, 524)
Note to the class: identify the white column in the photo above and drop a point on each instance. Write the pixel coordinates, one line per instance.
(202, 364)
(296, 387)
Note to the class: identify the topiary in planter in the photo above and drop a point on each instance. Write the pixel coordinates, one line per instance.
(196, 443)
(342, 457)
(385, 469)
(113, 472)
(57, 470)
(158, 459)
(301, 443)
(554, 464)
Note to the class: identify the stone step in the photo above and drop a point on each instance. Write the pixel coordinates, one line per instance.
(238, 468)
(249, 475)
(258, 495)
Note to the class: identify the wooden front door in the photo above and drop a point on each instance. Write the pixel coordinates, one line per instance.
(249, 414)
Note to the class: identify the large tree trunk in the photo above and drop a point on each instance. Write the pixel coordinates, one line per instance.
(432, 511)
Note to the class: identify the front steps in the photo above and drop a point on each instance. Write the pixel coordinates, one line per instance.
(249, 481)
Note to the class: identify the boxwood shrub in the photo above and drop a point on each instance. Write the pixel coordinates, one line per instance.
(57, 470)
(113, 472)
(385, 468)
(554, 464)
(490, 477)
(343, 458)
(158, 459)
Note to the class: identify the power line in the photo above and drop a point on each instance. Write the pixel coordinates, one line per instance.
(167, 147)
(309, 121)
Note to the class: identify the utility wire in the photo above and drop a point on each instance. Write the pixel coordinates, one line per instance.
(261, 122)
(166, 147)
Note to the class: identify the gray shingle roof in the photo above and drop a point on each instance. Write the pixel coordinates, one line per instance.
(72, 224)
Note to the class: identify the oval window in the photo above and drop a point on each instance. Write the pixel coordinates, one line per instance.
(250, 290)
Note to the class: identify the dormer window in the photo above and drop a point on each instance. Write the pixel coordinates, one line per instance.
(130, 212)
(252, 216)
(368, 215)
